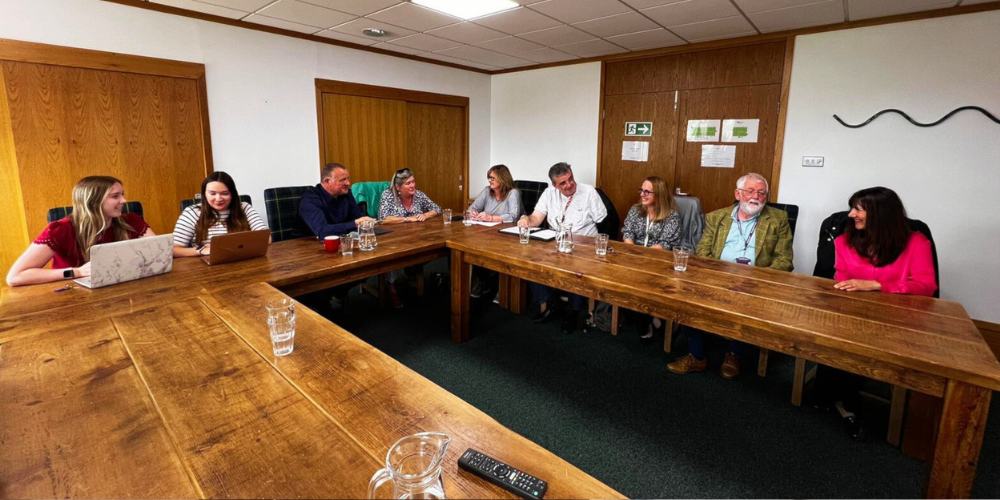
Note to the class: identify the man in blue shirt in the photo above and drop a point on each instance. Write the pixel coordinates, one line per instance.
(329, 208)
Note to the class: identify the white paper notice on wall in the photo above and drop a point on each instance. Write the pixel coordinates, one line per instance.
(718, 156)
(703, 130)
(740, 130)
(635, 151)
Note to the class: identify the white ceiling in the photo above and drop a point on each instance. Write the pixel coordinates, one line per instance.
(547, 31)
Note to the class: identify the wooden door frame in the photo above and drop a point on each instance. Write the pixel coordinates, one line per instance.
(15, 222)
(362, 90)
(779, 140)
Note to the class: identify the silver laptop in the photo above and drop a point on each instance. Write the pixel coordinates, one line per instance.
(232, 247)
(121, 261)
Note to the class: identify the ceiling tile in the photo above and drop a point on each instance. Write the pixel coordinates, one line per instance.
(467, 32)
(645, 4)
(207, 8)
(574, 11)
(336, 35)
(546, 55)
(630, 22)
(751, 6)
(244, 5)
(356, 7)
(516, 21)
(425, 42)
(356, 26)
(691, 11)
(592, 48)
(647, 39)
(815, 14)
(559, 35)
(711, 30)
(867, 9)
(480, 55)
(463, 62)
(279, 23)
(414, 17)
(509, 45)
(399, 48)
(306, 13)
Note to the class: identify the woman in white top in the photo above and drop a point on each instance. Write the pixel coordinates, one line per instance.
(217, 214)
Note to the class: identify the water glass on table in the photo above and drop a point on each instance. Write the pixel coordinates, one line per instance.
(281, 322)
(524, 233)
(346, 245)
(601, 244)
(681, 255)
(446, 216)
(467, 220)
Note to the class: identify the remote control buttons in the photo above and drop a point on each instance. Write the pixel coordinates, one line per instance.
(501, 470)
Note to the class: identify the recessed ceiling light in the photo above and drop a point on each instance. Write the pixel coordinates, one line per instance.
(467, 9)
(374, 32)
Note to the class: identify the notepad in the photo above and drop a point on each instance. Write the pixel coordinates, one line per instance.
(536, 233)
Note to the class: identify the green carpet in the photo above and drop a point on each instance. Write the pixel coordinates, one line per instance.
(609, 406)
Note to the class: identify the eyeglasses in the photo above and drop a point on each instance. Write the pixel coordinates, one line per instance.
(643, 192)
(490, 178)
(750, 192)
(402, 171)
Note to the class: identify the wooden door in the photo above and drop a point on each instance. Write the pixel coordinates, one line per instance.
(365, 134)
(620, 179)
(436, 150)
(714, 186)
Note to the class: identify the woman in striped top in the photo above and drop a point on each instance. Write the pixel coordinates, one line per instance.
(214, 216)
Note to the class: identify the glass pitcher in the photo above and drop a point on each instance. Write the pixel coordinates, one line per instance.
(413, 465)
(366, 236)
(564, 238)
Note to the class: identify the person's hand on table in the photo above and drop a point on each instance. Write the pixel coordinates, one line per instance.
(363, 219)
(523, 221)
(858, 286)
(659, 247)
(82, 271)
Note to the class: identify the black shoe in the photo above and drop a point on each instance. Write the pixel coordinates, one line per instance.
(569, 322)
(855, 428)
(543, 316)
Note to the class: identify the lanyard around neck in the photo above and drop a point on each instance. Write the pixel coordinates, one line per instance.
(739, 225)
(570, 200)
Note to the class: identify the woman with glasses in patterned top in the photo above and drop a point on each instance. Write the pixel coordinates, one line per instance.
(403, 202)
(655, 223)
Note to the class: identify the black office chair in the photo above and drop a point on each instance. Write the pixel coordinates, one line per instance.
(187, 203)
(791, 210)
(831, 228)
(54, 214)
(612, 223)
(282, 206)
(530, 192)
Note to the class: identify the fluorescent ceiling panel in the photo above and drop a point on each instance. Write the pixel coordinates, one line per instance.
(467, 9)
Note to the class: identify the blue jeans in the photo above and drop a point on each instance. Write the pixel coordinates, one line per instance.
(544, 293)
(696, 343)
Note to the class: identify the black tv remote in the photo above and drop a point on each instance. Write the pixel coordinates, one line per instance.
(517, 481)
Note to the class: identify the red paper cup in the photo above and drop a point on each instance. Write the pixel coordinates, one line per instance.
(331, 243)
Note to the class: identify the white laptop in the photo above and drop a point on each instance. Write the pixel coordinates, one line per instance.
(121, 261)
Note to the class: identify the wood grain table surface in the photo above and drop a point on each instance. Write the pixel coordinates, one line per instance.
(167, 387)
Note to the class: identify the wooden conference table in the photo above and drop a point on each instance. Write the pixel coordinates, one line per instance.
(167, 388)
(172, 377)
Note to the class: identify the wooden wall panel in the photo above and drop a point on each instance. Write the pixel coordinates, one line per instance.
(436, 146)
(69, 122)
(634, 76)
(622, 179)
(367, 135)
(714, 186)
(13, 226)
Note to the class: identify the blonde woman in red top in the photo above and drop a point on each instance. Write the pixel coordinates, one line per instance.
(97, 218)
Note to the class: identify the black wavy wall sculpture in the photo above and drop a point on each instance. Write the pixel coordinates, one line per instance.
(911, 120)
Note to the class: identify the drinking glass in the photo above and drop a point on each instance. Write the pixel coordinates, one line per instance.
(681, 258)
(346, 245)
(446, 215)
(281, 322)
(467, 219)
(524, 233)
(601, 244)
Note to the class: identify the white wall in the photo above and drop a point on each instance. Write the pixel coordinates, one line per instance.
(545, 116)
(946, 175)
(261, 91)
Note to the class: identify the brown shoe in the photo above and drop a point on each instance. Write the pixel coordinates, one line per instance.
(731, 366)
(687, 364)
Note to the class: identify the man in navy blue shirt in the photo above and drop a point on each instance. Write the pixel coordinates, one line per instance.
(329, 208)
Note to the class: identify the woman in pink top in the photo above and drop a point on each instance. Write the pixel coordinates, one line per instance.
(878, 252)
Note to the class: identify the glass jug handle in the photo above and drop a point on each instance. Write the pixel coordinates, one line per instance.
(378, 480)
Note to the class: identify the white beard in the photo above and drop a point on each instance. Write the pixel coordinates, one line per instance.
(751, 209)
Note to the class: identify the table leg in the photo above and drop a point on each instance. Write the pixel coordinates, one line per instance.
(959, 439)
(461, 275)
(504, 291)
(518, 295)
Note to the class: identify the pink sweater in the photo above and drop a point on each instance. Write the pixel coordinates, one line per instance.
(912, 273)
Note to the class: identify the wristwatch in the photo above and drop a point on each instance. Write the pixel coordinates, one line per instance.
(68, 273)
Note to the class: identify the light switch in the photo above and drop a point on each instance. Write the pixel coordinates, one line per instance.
(812, 161)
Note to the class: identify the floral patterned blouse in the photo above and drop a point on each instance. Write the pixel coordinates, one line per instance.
(666, 233)
(389, 207)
